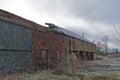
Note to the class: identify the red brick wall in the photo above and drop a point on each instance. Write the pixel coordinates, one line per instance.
(52, 42)
(39, 42)
(58, 42)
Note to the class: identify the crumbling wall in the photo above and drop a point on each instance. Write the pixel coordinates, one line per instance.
(68, 65)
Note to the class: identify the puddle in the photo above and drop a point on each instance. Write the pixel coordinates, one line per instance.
(105, 69)
(115, 65)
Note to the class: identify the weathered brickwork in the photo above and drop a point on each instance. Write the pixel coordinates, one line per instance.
(46, 46)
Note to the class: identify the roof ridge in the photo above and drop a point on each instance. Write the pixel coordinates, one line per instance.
(65, 31)
(10, 17)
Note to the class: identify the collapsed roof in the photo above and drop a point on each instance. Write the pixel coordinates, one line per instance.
(66, 32)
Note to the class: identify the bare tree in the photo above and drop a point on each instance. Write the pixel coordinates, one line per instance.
(117, 32)
(98, 46)
(105, 41)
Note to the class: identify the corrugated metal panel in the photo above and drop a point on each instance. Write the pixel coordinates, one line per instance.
(15, 60)
(15, 37)
(15, 47)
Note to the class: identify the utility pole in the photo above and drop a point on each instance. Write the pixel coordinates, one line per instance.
(83, 35)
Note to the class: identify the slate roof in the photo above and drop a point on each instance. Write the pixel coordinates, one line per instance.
(66, 32)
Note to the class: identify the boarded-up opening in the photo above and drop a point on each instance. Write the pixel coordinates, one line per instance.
(44, 57)
(58, 56)
(42, 61)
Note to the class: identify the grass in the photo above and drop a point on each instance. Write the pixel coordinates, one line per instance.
(102, 54)
(47, 75)
(40, 75)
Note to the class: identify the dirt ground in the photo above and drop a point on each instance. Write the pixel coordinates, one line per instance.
(104, 66)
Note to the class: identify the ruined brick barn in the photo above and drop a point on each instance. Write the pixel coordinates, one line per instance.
(26, 44)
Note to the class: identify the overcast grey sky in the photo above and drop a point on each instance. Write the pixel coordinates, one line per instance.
(96, 18)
